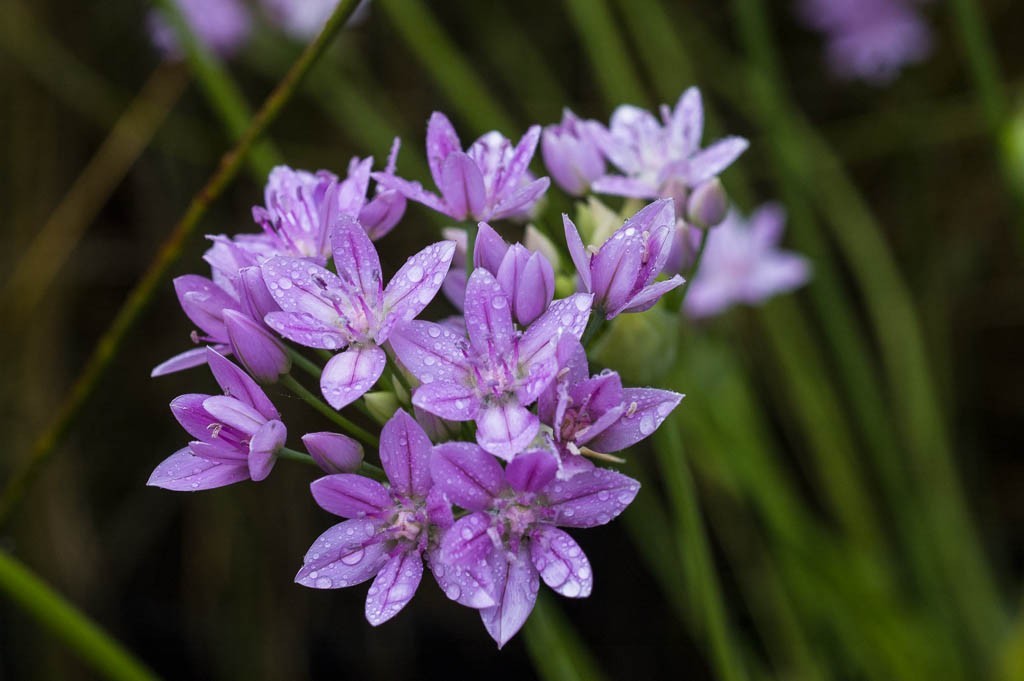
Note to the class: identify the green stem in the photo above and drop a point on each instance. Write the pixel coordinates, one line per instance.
(365, 468)
(304, 363)
(594, 326)
(451, 71)
(90, 642)
(471, 232)
(110, 342)
(327, 410)
(223, 94)
(557, 652)
(698, 565)
(995, 104)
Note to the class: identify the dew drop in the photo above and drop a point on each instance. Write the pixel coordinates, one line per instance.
(323, 583)
(415, 274)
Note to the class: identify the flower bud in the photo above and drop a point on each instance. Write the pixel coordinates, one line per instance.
(571, 154)
(334, 452)
(708, 204)
(255, 297)
(633, 339)
(382, 404)
(528, 280)
(259, 351)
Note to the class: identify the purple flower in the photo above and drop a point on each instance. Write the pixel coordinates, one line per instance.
(869, 39)
(222, 25)
(527, 277)
(595, 415)
(389, 529)
(352, 311)
(498, 373)
(238, 434)
(571, 153)
(513, 523)
(742, 264)
(488, 182)
(621, 273)
(662, 158)
(334, 452)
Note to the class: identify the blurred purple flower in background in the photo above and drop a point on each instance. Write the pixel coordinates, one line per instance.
(662, 158)
(743, 264)
(869, 39)
(571, 153)
(222, 25)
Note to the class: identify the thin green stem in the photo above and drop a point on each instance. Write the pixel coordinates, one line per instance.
(451, 71)
(698, 565)
(110, 342)
(557, 652)
(223, 94)
(365, 468)
(594, 326)
(86, 638)
(288, 381)
(471, 232)
(304, 363)
(609, 59)
(970, 24)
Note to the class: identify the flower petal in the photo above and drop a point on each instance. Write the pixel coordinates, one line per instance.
(516, 591)
(646, 409)
(185, 472)
(415, 285)
(462, 186)
(489, 248)
(561, 562)
(467, 475)
(203, 302)
(263, 449)
(405, 452)
(345, 555)
(648, 296)
(189, 412)
(591, 498)
(305, 329)
(351, 496)
(531, 471)
(520, 200)
(236, 383)
(452, 401)
(629, 187)
(709, 162)
(506, 429)
(468, 541)
(259, 351)
(357, 262)
(565, 317)
(394, 587)
(442, 141)
(520, 161)
(348, 375)
(184, 360)
(234, 413)
(298, 285)
(431, 352)
(488, 317)
(413, 191)
(471, 586)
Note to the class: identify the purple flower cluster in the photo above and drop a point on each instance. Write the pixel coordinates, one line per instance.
(492, 427)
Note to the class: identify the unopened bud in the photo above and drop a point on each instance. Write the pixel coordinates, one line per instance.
(334, 452)
(708, 204)
(259, 351)
(381, 404)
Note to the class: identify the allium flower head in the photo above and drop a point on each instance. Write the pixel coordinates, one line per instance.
(595, 414)
(494, 376)
(571, 153)
(662, 158)
(389, 529)
(238, 434)
(222, 25)
(488, 181)
(514, 521)
(352, 310)
(743, 264)
(621, 273)
(869, 39)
